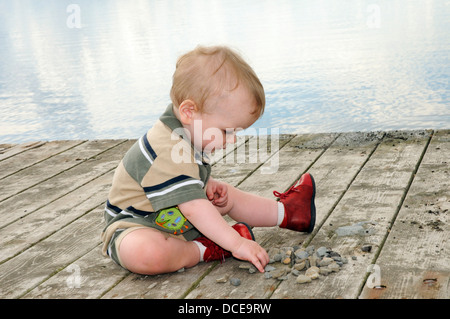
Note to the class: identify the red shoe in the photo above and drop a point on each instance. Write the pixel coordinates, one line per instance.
(215, 252)
(299, 207)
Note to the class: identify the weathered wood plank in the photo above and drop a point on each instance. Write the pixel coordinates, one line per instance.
(86, 278)
(300, 153)
(32, 228)
(8, 150)
(27, 270)
(414, 261)
(34, 155)
(52, 166)
(62, 183)
(374, 197)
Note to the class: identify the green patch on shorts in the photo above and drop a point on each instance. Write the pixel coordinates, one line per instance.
(173, 221)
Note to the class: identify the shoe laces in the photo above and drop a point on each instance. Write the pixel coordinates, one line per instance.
(286, 194)
(215, 252)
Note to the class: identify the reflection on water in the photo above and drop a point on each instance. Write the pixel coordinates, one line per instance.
(102, 69)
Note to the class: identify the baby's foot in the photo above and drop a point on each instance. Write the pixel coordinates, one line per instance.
(299, 207)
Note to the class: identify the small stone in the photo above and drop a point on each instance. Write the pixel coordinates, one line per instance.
(312, 260)
(235, 281)
(282, 278)
(353, 257)
(366, 248)
(278, 257)
(335, 258)
(302, 279)
(310, 249)
(334, 267)
(245, 266)
(295, 272)
(287, 261)
(324, 271)
(278, 273)
(252, 269)
(325, 261)
(312, 272)
(181, 270)
(223, 279)
(269, 268)
(301, 255)
(321, 251)
(267, 275)
(334, 254)
(300, 266)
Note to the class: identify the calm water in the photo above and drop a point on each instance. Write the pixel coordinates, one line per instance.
(102, 69)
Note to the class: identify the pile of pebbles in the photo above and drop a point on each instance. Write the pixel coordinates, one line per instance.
(301, 264)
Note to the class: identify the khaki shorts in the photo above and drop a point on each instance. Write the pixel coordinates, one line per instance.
(168, 221)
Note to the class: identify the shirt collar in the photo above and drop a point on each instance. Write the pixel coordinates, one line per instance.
(169, 119)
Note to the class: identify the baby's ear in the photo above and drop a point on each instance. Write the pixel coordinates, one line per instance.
(186, 110)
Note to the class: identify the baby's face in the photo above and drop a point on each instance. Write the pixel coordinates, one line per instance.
(225, 115)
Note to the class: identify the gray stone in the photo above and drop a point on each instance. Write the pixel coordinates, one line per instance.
(269, 268)
(301, 254)
(295, 272)
(280, 272)
(235, 281)
(313, 259)
(300, 266)
(356, 229)
(321, 251)
(325, 261)
(324, 271)
(366, 248)
(245, 266)
(302, 279)
(313, 272)
(334, 267)
(310, 249)
(278, 257)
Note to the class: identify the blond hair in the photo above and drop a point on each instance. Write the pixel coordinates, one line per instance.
(208, 71)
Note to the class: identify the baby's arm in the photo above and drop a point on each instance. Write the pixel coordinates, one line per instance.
(207, 219)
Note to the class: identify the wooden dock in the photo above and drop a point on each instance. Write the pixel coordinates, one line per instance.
(397, 184)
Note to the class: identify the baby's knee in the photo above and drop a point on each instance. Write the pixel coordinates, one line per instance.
(147, 258)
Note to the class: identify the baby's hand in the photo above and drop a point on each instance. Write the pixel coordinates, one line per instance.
(251, 251)
(217, 193)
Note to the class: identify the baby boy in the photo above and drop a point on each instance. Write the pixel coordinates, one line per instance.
(164, 210)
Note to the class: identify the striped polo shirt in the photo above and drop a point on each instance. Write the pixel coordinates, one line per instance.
(161, 170)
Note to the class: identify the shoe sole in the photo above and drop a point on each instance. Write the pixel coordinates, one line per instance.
(313, 207)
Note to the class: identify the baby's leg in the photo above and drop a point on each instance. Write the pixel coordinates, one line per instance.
(148, 251)
(251, 209)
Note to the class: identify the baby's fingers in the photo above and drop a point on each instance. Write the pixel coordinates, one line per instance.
(261, 261)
